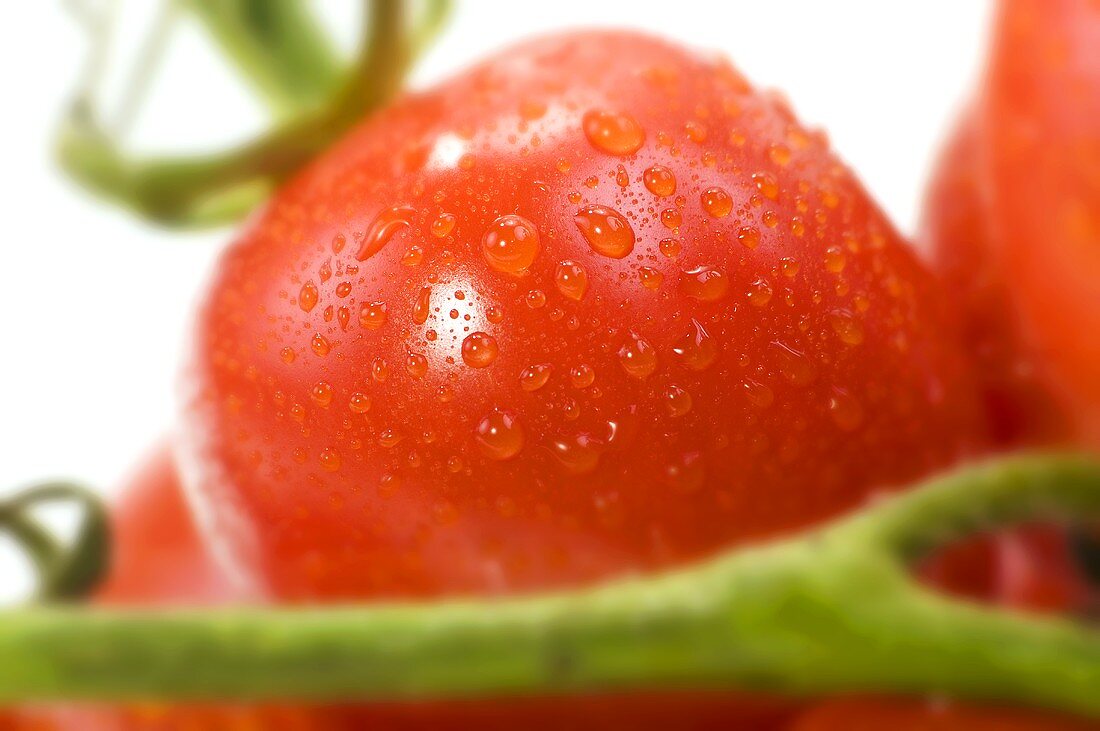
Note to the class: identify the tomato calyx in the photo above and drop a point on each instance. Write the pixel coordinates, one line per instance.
(829, 611)
(294, 69)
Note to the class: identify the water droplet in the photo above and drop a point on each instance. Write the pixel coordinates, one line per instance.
(696, 349)
(846, 411)
(846, 326)
(479, 350)
(534, 377)
(672, 218)
(416, 365)
(321, 394)
(308, 296)
(535, 299)
(579, 455)
(669, 247)
(749, 236)
(613, 133)
(659, 181)
(606, 231)
(622, 179)
(330, 459)
(571, 280)
(288, 355)
(390, 438)
(760, 293)
(343, 289)
(359, 403)
(412, 256)
(794, 365)
(766, 184)
(789, 266)
(443, 224)
(382, 230)
(319, 344)
(499, 436)
(380, 369)
(835, 259)
(422, 306)
(511, 244)
(696, 131)
(758, 394)
(704, 283)
(582, 376)
(716, 202)
(638, 358)
(650, 277)
(779, 153)
(677, 401)
(373, 315)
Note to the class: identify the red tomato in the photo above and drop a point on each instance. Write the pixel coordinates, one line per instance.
(595, 306)
(1030, 256)
(874, 714)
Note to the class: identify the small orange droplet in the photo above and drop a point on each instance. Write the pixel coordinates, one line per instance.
(760, 293)
(672, 218)
(479, 350)
(659, 181)
(535, 299)
(669, 247)
(846, 326)
(330, 459)
(767, 185)
(571, 280)
(613, 133)
(638, 358)
(696, 349)
(650, 277)
(582, 376)
(749, 236)
(320, 345)
(534, 377)
(677, 401)
(308, 296)
(422, 306)
(704, 283)
(606, 231)
(579, 455)
(511, 244)
(383, 229)
(758, 394)
(779, 153)
(416, 365)
(373, 315)
(443, 224)
(321, 394)
(288, 355)
(359, 403)
(835, 259)
(716, 202)
(499, 436)
(845, 410)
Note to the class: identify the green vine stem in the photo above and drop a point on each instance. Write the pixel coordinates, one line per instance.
(198, 191)
(829, 611)
(65, 572)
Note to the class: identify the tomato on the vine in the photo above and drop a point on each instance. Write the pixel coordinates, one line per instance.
(1014, 220)
(595, 306)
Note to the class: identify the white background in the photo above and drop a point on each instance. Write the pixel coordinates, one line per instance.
(94, 304)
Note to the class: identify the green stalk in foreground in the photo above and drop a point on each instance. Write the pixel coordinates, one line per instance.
(830, 611)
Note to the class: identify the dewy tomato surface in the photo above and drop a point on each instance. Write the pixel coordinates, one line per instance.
(595, 306)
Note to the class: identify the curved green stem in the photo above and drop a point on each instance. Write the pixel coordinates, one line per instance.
(65, 573)
(278, 45)
(830, 611)
(196, 191)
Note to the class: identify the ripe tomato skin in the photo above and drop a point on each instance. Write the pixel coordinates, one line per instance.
(767, 353)
(957, 231)
(876, 714)
(1032, 149)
